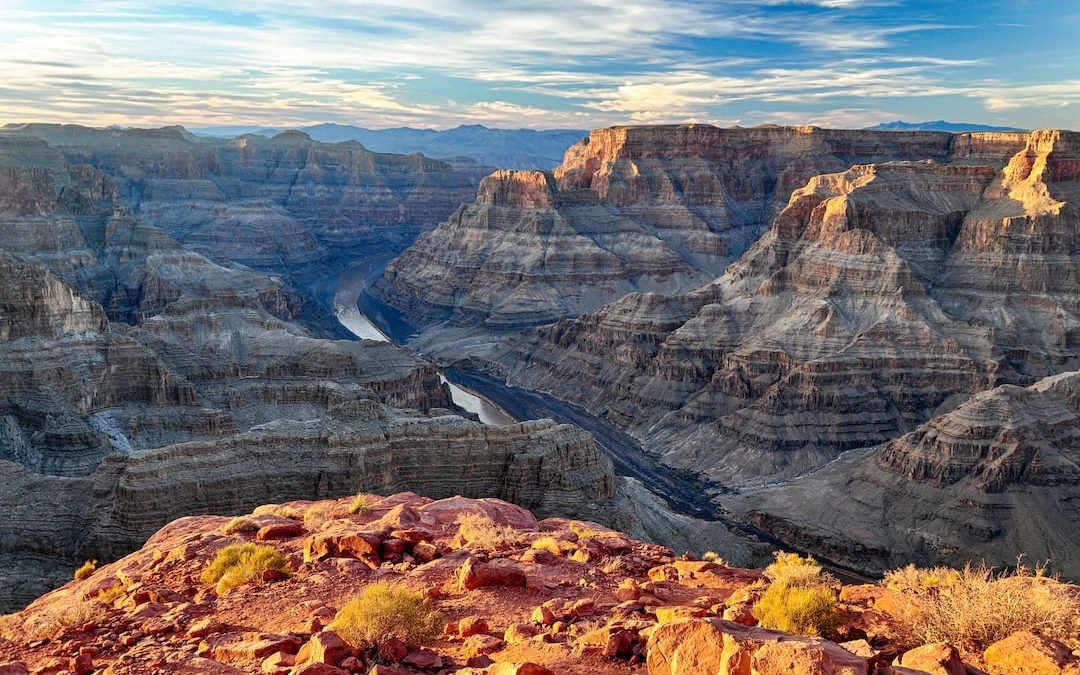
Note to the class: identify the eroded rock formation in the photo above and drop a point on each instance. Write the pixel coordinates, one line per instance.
(630, 209)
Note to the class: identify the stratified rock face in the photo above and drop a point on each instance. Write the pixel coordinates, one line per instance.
(879, 295)
(278, 203)
(995, 478)
(630, 209)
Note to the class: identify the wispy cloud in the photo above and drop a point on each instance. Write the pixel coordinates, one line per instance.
(581, 63)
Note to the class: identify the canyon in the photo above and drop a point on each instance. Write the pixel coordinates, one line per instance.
(852, 293)
(165, 350)
(861, 344)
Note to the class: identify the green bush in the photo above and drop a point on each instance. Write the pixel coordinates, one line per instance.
(362, 505)
(241, 563)
(793, 569)
(385, 610)
(800, 610)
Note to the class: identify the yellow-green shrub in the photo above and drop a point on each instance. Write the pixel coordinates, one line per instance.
(476, 529)
(793, 569)
(801, 610)
(362, 505)
(240, 524)
(384, 610)
(87, 568)
(241, 563)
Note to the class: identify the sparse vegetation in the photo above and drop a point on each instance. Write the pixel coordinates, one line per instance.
(50, 624)
(802, 610)
(793, 569)
(713, 557)
(799, 599)
(318, 514)
(241, 563)
(978, 606)
(282, 511)
(549, 544)
(480, 530)
(112, 593)
(385, 610)
(362, 505)
(240, 525)
(87, 568)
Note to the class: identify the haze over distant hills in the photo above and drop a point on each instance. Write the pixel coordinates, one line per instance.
(504, 148)
(938, 125)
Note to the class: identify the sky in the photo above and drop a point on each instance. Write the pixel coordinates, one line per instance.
(541, 64)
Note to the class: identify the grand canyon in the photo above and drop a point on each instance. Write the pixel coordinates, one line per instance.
(597, 339)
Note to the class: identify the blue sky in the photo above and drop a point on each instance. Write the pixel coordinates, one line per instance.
(580, 64)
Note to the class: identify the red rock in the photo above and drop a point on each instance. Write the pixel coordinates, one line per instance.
(342, 542)
(482, 661)
(281, 530)
(423, 659)
(413, 536)
(471, 626)
(519, 632)
(500, 512)
(324, 647)
(393, 649)
(352, 664)
(620, 645)
(741, 613)
(274, 575)
(381, 669)
(239, 645)
(505, 668)
(317, 669)
(694, 646)
(14, 668)
(278, 663)
(1024, 653)
(425, 551)
(482, 644)
(474, 574)
(937, 658)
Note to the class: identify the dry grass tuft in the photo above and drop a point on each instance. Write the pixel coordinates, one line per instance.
(385, 610)
(87, 569)
(549, 544)
(800, 610)
(241, 563)
(362, 505)
(240, 525)
(318, 514)
(977, 606)
(481, 531)
(714, 557)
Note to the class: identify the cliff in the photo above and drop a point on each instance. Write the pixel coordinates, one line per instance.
(658, 209)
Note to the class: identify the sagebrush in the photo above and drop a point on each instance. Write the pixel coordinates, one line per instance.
(800, 610)
(385, 610)
(978, 605)
(242, 563)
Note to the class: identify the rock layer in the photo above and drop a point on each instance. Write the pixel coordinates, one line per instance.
(630, 209)
(879, 296)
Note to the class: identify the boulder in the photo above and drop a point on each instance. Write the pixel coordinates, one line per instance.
(1024, 653)
(936, 658)
(718, 647)
(475, 574)
(324, 647)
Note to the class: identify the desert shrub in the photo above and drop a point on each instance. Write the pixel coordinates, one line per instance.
(792, 569)
(362, 505)
(87, 568)
(112, 593)
(318, 514)
(384, 610)
(713, 557)
(584, 529)
(51, 623)
(240, 524)
(282, 511)
(978, 606)
(549, 544)
(801, 610)
(241, 563)
(480, 530)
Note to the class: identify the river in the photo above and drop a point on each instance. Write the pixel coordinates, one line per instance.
(351, 285)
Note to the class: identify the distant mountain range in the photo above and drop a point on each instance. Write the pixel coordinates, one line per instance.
(504, 148)
(938, 125)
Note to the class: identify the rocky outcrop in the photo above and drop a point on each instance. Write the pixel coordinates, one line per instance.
(879, 296)
(630, 209)
(506, 594)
